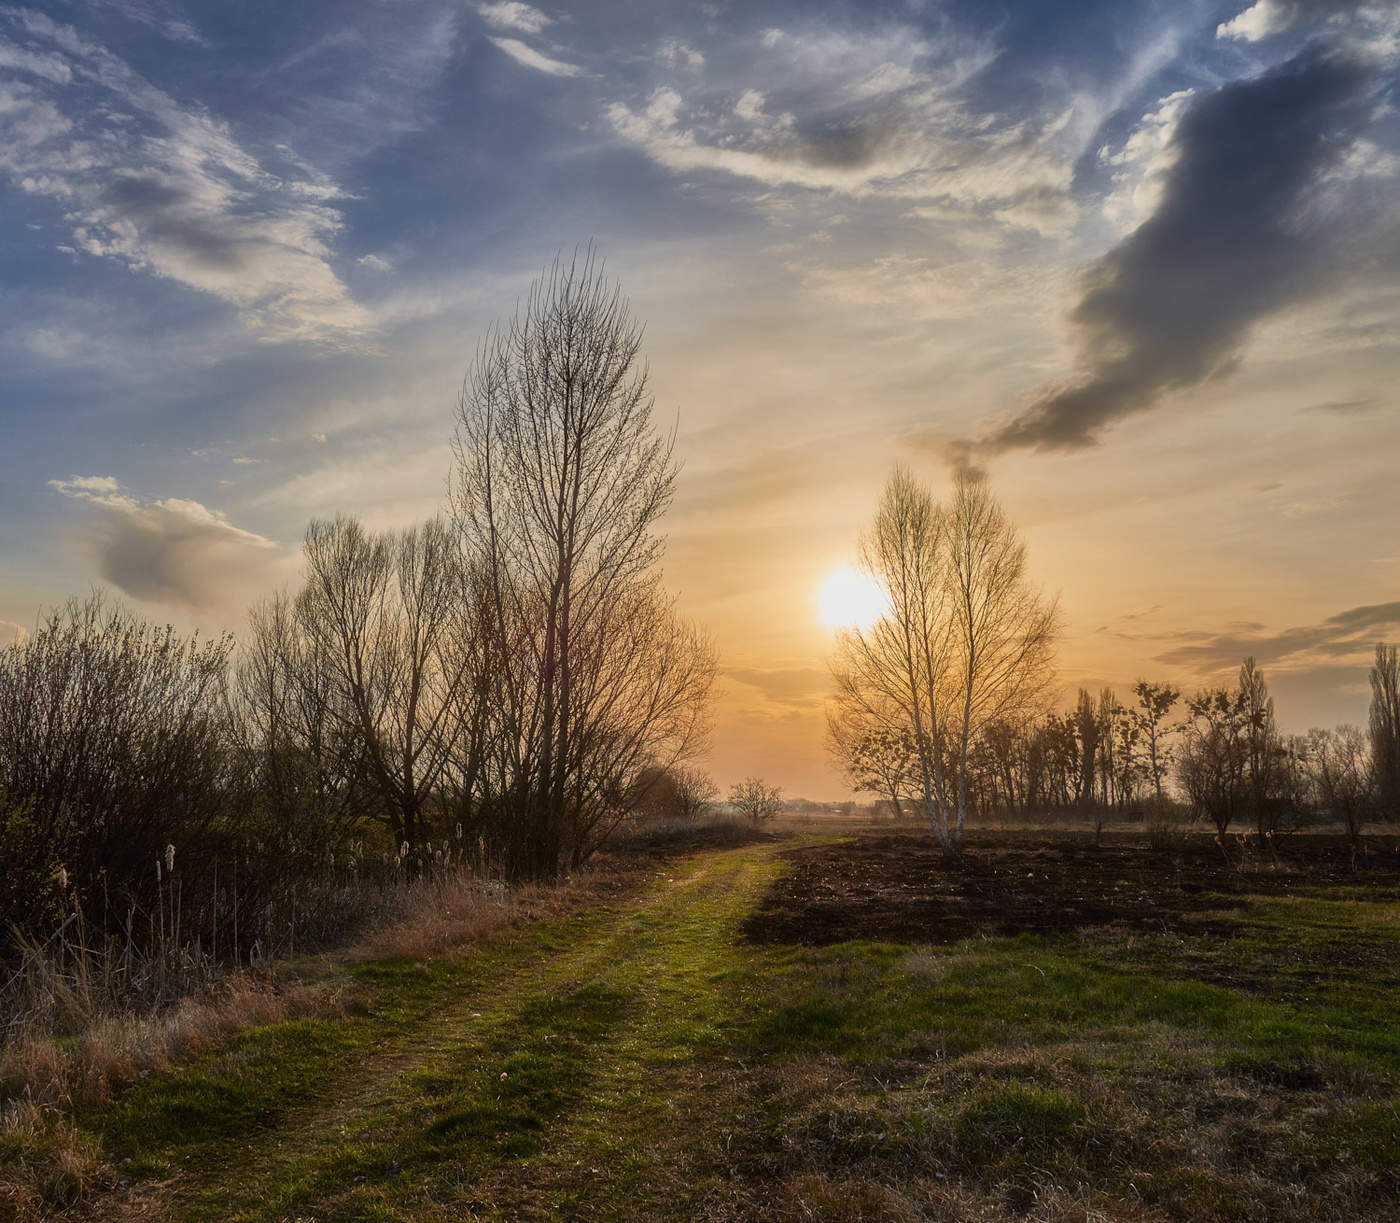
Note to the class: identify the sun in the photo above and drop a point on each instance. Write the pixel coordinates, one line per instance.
(849, 599)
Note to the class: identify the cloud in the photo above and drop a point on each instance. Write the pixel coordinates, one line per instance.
(1345, 407)
(1230, 243)
(1350, 634)
(512, 15)
(165, 188)
(802, 688)
(172, 551)
(19, 59)
(160, 15)
(1266, 18)
(90, 488)
(11, 633)
(673, 51)
(531, 58)
(1141, 166)
(875, 115)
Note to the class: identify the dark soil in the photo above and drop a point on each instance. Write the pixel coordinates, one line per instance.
(900, 888)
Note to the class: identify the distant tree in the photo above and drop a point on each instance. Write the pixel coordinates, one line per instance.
(755, 800)
(1087, 731)
(378, 611)
(677, 793)
(1339, 767)
(1266, 762)
(1109, 713)
(696, 792)
(877, 755)
(967, 639)
(1385, 729)
(1155, 703)
(1213, 763)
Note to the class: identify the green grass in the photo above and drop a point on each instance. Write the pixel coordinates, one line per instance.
(638, 1060)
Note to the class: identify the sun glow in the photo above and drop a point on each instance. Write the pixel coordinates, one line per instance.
(849, 599)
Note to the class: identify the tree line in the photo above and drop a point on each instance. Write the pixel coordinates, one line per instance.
(496, 683)
(945, 707)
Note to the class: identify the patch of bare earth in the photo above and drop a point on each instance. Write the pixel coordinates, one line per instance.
(901, 888)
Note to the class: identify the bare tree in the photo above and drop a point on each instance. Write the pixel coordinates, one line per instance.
(560, 479)
(1087, 731)
(378, 611)
(967, 640)
(1264, 750)
(305, 757)
(1155, 703)
(755, 799)
(877, 754)
(1339, 765)
(1385, 728)
(682, 793)
(1213, 764)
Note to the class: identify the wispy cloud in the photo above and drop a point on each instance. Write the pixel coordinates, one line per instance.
(874, 115)
(165, 188)
(163, 16)
(530, 58)
(799, 688)
(513, 15)
(1345, 407)
(1349, 634)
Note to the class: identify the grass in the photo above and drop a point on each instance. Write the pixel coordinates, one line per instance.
(637, 1059)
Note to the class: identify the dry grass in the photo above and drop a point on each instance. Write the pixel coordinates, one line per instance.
(76, 1047)
(86, 1071)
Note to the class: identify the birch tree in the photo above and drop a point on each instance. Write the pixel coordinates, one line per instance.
(967, 640)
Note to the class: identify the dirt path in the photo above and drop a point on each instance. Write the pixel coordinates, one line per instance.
(528, 1083)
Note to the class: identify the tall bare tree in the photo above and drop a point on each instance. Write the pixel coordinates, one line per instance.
(1385, 728)
(560, 479)
(967, 640)
(1087, 731)
(1263, 749)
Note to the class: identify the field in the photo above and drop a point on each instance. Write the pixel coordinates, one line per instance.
(809, 1026)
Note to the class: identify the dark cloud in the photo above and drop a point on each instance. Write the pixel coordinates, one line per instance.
(1347, 407)
(173, 552)
(1349, 634)
(1173, 303)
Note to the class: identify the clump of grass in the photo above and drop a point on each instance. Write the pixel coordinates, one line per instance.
(114, 1051)
(44, 1161)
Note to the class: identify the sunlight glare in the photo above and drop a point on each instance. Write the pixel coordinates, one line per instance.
(850, 599)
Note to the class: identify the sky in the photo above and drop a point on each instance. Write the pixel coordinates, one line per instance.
(1140, 262)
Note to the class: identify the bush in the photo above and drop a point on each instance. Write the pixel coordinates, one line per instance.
(112, 749)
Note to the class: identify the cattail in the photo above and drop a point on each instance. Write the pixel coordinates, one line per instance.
(170, 858)
(63, 878)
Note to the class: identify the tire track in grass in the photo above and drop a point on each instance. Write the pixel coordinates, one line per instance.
(611, 1160)
(541, 1025)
